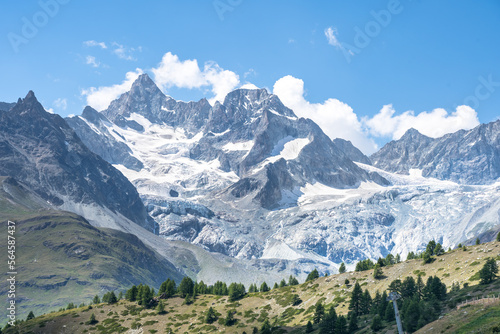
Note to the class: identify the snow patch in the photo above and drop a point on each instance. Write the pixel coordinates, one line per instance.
(143, 121)
(239, 146)
(289, 148)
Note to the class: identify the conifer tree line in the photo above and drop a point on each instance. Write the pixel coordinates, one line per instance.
(188, 289)
(420, 304)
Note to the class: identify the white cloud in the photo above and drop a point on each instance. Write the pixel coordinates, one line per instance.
(172, 72)
(92, 61)
(91, 43)
(249, 73)
(331, 36)
(61, 103)
(335, 118)
(124, 52)
(100, 98)
(433, 124)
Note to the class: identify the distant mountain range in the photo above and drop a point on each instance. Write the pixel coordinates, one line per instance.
(248, 184)
(466, 157)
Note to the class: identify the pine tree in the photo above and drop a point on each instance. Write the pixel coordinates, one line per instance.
(489, 271)
(282, 283)
(264, 287)
(408, 287)
(498, 236)
(430, 248)
(398, 258)
(342, 268)
(389, 259)
(112, 298)
(420, 286)
(186, 287)
(292, 281)
(366, 302)
(319, 313)
(312, 275)
(411, 316)
(309, 327)
(30, 316)
(355, 303)
(353, 322)
(236, 291)
(266, 327)
(296, 300)
(96, 300)
(376, 303)
(383, 304)
(160, 308)
(478, 241)
(170, 288)
(188, 300)
(389, 312)
(376, 323)
(341, 325)
(229, 321)
(210, 317)
(327, 325)
(92, 320)
(377, 272)
(131, 294)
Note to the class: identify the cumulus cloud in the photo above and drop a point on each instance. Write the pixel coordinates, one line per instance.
(61, 103)
(335, 118)
(92, 43)
(100, 98)
(433, 124)
(173, 72)
(331, 36)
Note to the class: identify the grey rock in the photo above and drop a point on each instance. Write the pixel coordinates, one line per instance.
(466, 157)
(351, 151)
(41, 151)
(102, 142)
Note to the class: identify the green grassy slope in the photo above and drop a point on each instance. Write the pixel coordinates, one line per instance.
(276, 305)
(61, 258)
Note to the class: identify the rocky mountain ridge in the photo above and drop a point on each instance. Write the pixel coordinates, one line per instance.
(42, 152)
(465, 157)
(248, 179)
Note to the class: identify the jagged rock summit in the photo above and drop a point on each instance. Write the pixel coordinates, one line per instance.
(466, 156)
(41, 151)
(249, 179)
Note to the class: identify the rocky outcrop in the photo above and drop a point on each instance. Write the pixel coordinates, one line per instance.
(466, 157)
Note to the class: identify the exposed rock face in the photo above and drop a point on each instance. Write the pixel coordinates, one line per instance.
(106, 146)
(6, 106)
(41, 151)
(249, 179)
(467, 157)
(351, 151)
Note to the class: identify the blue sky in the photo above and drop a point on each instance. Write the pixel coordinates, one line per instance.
(364, 70)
